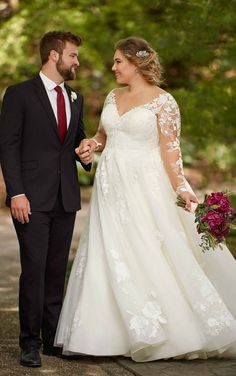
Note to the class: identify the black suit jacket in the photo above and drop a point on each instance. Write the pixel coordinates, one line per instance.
(32, 157)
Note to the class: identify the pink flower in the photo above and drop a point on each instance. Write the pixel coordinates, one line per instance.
(221, 201)
(214, 219)
(221, 233)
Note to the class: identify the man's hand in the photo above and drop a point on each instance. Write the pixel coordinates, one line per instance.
(85, 150)
(20, 209)
(189, 198)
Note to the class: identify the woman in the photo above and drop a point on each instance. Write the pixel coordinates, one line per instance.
(140, 285)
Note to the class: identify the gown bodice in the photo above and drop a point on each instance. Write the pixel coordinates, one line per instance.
(154, 126)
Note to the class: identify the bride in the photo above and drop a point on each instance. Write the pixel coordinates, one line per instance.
(140, 285)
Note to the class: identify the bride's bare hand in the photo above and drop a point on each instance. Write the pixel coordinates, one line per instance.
(189, 198)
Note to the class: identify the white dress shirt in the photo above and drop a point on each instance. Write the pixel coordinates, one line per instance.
(52, 95)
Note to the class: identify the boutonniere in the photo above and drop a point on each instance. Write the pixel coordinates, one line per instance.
(73, 96)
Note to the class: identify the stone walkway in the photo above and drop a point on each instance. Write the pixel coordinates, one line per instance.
(83, 366)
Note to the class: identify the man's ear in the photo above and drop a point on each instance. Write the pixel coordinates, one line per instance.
(54, 56)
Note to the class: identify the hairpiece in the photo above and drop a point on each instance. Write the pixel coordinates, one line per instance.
(142, 53)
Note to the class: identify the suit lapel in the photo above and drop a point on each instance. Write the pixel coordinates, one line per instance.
(74, 113)
(43, 97)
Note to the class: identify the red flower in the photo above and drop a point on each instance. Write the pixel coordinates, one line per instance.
(214, 219)
(220, 201)
(221, 233)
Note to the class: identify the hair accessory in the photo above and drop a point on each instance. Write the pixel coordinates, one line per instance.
(142, 53)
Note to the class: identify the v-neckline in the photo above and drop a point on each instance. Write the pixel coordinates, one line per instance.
(133, 108)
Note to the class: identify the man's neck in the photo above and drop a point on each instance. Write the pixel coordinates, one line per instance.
(52, 75)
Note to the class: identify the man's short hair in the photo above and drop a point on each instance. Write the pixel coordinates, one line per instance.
(56, 40)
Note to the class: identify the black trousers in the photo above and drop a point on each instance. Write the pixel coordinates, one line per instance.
(44, 249)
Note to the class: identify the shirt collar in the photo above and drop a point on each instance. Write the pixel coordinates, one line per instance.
(49, 84)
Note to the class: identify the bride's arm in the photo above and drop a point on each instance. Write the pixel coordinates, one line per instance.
(87, 147)
(98, 141)
(169, 137)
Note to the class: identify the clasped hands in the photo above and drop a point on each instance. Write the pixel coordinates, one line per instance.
(20, 205)
(85, 150)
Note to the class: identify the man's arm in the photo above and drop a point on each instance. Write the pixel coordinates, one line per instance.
(87, 147)
(81, 136)
(11, 124)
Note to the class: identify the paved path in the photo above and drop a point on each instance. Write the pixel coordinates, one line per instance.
(83, 366)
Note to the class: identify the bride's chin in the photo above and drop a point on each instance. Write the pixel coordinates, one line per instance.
(119, 81)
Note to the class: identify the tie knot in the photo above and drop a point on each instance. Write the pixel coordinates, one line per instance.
(58, 89)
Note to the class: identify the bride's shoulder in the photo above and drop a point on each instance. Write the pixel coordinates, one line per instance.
(110, 98)
(119, 91)
(115, 93)
(167, 98)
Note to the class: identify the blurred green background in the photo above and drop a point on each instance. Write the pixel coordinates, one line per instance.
(196, 43)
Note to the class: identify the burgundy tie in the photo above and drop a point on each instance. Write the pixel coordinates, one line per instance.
(61, 114)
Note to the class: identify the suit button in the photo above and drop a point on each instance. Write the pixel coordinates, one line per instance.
(59, 172)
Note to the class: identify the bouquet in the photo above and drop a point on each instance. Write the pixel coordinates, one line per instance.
(214, 217)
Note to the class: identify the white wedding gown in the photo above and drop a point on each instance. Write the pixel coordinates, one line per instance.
(140, 285)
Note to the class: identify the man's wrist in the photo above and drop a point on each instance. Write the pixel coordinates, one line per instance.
(21, 194)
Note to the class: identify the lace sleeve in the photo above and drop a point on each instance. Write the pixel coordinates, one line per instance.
(169, 136)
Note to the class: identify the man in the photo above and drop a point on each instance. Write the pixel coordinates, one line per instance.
(41, 124)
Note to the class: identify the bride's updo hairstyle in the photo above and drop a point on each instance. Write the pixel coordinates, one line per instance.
(139, 52)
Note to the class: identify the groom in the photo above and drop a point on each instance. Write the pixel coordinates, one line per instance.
(41, 124)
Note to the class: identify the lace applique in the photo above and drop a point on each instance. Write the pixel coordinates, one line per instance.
(120, 199)
(144, 322)
(81, 257)
(102, 174)
(147, 324)
(121, 270)
(81, 265)
(110, 99)
(156, 104)
(215, 316)
(76, 320)
(169, 134)
(122, 205)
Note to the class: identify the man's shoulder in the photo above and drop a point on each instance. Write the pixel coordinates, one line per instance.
(23, 85)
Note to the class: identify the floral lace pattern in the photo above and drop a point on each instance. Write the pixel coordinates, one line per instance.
(146, 325)
(210, 307)
(121, 271)
(169, 125)
(102, 173)
(169, 133)
(81, 256)
(144, 322)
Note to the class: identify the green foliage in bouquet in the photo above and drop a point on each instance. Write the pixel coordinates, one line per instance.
(214, 217)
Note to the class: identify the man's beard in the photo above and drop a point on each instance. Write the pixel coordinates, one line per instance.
(66, 73)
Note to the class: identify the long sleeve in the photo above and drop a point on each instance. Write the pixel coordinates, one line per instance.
(169, 138)
(11, 128)
(81, 135)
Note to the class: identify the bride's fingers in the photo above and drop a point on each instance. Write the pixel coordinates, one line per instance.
(85, 150)
(188, 204)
